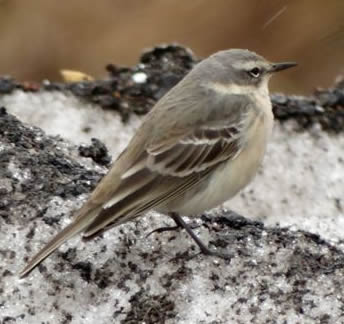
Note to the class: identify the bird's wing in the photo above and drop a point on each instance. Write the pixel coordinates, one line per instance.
(204, 148)
(167, 168)
(147, 175)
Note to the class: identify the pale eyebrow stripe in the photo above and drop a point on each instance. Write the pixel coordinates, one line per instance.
(244, 65)
(231, 88)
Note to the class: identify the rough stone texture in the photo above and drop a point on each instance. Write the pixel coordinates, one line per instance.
(136, 89)
(288, 274)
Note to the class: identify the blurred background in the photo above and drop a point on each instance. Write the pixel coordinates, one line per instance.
(38, 38)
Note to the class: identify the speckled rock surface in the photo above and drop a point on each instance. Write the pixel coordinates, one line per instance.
(287, 273)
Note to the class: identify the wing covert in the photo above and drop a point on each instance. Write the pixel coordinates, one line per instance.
(200, 149)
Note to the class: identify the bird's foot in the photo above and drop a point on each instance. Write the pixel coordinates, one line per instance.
(164, 229)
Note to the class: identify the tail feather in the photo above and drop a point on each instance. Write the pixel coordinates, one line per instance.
(71, 230)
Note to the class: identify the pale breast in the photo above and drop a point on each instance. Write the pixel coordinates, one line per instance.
(231, 176)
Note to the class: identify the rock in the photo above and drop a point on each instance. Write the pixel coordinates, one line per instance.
(292, 272)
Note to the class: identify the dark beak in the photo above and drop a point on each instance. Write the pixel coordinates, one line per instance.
(276, 67)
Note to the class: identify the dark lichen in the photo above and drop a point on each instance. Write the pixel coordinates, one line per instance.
(164, 66)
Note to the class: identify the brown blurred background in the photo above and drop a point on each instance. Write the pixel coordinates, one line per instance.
(40, 37)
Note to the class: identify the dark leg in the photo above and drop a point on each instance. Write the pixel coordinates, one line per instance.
(204, 249)
(164, 229)
(168, 228)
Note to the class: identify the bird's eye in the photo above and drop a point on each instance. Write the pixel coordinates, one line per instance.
(255, 72)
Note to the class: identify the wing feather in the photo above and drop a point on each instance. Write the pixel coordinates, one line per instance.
(156, 192)
(165, 177)
(166, 157)
(209, 146)
(170, 166)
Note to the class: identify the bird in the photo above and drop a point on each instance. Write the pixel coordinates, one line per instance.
(200, 144)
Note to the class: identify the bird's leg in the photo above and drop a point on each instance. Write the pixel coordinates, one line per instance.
(167, 228)
(204, 249)
(164, 229)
